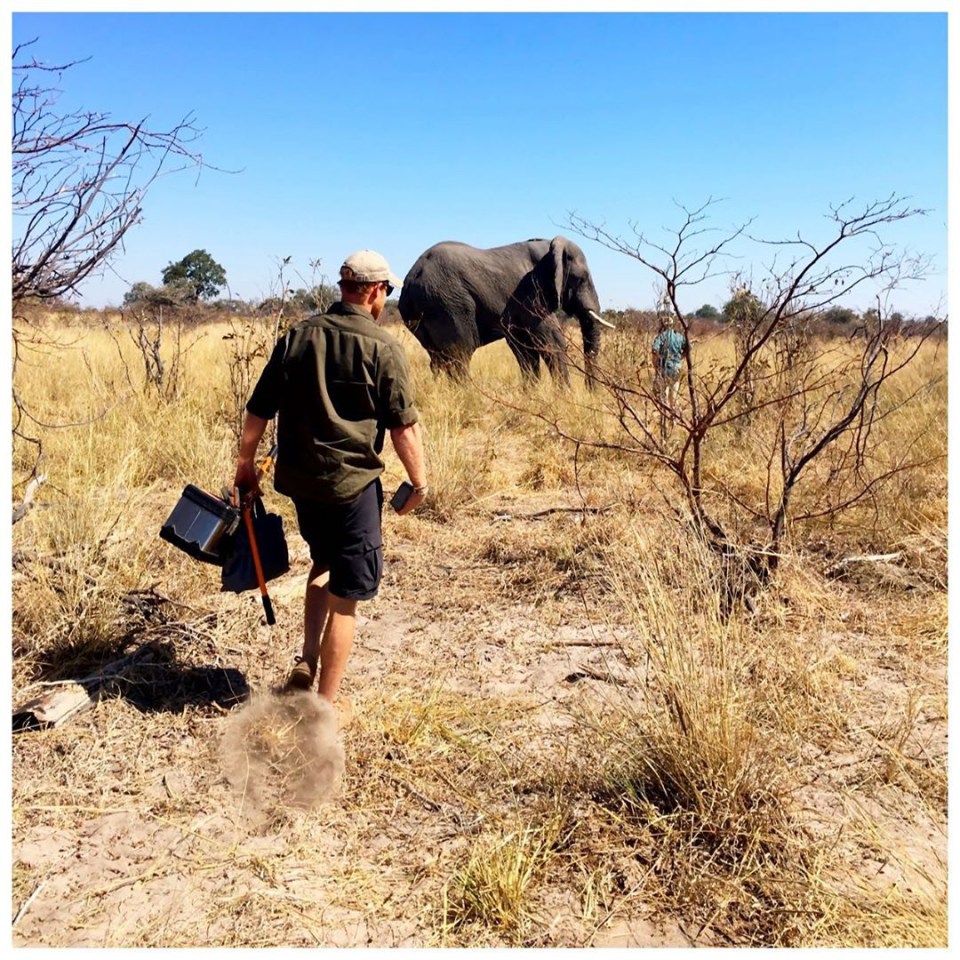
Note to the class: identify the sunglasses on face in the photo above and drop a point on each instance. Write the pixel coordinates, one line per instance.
(389, 287)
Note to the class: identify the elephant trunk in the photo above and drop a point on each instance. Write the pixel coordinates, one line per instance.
(581, 300)
(591, 334)
(591, 343)
(590, 324)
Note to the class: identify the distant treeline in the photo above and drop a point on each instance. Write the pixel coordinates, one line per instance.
(833, 321)
(295, 306)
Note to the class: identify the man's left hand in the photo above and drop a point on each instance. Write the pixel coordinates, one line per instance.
(413, 501)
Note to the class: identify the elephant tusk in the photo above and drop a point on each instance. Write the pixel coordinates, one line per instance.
(599, 319)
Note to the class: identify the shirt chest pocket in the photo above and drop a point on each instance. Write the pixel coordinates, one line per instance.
(353, 399)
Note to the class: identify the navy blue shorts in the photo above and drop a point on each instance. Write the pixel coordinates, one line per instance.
(345, 538)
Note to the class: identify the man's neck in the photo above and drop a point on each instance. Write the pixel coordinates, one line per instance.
(359, 304)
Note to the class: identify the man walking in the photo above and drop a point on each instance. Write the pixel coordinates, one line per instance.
(338, 383)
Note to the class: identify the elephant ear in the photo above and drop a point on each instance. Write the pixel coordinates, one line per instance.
(550, 274)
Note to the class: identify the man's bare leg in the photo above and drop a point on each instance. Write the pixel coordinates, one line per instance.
(329, 626)
(315, 604)
(674, 392)
(338, 634)
(315, 607)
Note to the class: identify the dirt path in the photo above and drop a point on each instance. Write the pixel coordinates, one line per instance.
(129, 832)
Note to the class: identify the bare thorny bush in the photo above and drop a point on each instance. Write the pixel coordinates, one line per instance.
(78, 183)
(252, 338)
(164, 376)
(819, 403)
(159, 341)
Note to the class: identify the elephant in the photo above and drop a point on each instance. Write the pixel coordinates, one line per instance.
(456, 298)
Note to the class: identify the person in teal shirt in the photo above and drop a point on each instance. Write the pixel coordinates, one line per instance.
(669, 348)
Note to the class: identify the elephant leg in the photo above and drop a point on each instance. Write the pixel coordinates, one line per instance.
(455, 366)
(527, 356)
(590, 371)
(553, 350)
(449, 338)
(557, 365)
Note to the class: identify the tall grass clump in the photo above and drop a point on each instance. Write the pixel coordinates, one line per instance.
(116, 453)
(686, 762)
(462, 435)
(493, 892)
(701, 760)
(101, 421)
(106, 433)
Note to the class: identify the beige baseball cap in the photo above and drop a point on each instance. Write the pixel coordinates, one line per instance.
(367, 266)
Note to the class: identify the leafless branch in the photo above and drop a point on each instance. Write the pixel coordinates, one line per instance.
(825, 408)
(78, 182)
(79, 179)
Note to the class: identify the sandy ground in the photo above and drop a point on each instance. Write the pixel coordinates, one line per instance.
(256, 823)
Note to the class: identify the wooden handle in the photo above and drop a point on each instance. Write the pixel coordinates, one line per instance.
(262, 583)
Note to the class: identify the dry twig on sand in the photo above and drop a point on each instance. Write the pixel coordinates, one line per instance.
(23, 508)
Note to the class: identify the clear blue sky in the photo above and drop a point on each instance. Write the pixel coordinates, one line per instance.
(395, 131)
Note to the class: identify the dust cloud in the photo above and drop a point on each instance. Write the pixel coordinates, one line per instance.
(282, 750)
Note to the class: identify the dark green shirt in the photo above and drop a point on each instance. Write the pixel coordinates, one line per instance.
(337, 381)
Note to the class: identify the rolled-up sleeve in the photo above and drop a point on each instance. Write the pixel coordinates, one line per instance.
(395, 389)
(265, 399)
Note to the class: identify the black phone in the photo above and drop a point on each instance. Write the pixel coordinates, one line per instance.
(402, 495)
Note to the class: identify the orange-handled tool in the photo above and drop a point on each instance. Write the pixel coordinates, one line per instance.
(233, 496)
(245, 502)
(247, 510)
(267, 462)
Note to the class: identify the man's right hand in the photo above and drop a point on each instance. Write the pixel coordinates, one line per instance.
(246, 478)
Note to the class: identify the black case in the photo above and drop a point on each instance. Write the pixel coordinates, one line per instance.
(200, 524)
(239, 572)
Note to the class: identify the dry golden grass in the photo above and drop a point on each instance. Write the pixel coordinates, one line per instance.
(492, 890)
(560, 724)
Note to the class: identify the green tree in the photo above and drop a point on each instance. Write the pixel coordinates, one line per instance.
(726, 314)
(138, 293)
(707, 312)
(203, 273)
(840, 315)
(316, 298)
(178, 292)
